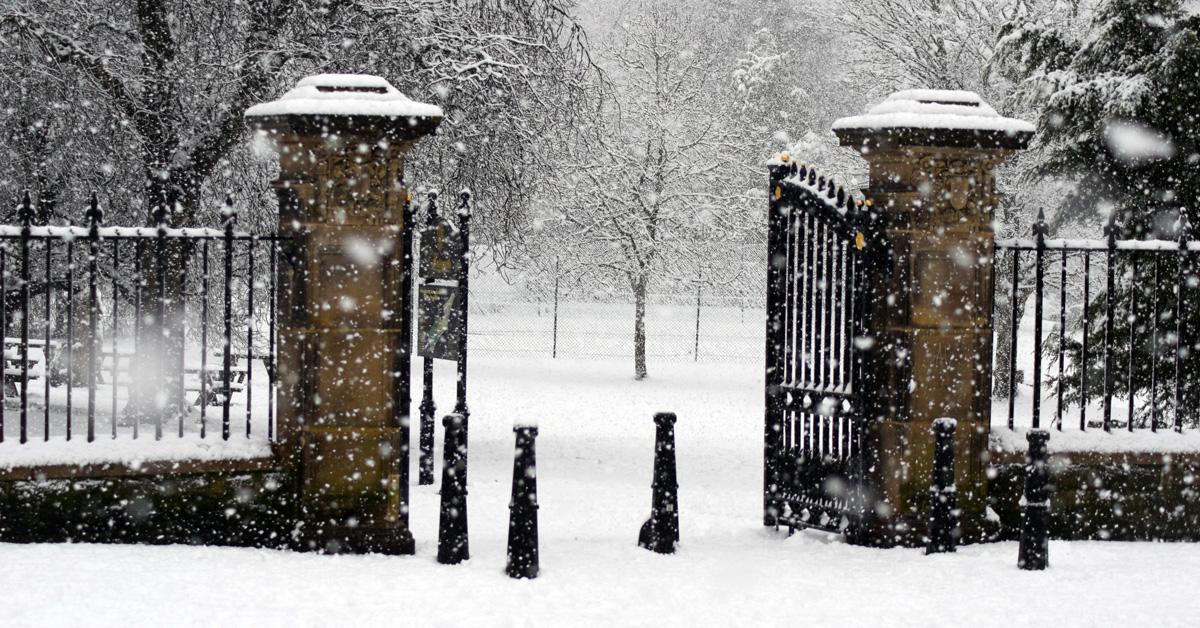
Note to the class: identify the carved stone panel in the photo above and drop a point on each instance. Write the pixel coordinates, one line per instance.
(949, 277)
(943, 375)
(353, 384)
(348, 293)
(347, 461)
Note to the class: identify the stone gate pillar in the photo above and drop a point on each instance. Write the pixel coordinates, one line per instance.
(932, 156)
(344, 321)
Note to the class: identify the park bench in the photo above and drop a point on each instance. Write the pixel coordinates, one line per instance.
(114, 367)
(213, 391)
(13, 371)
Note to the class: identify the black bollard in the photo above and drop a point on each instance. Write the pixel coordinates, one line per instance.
(1035, 513)
(943, 502)
(523, 508)
(660, 533)
(452, 526)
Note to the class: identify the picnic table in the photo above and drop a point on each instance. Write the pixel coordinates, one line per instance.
(36, 359)
(212, 376)
(115, 367)
(112, 364)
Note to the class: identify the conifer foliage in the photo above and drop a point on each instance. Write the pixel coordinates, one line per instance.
(1119, 121)
(1119, 111)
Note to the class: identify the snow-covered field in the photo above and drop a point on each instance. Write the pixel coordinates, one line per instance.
(595, 456)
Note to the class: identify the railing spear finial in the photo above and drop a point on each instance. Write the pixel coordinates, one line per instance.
(160, 211)
(1040, 228)
(431, 208)
(228, 213)
(94, 214)
(464, 206)
(1110, 228)
(25, 210)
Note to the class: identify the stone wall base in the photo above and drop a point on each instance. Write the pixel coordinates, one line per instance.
(254, 509)
(1124, 497)
(911, 532)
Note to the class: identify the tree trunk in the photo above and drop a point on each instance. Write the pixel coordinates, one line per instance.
(157, 370)
(78, 372)
(1002, 325)
(639, 328)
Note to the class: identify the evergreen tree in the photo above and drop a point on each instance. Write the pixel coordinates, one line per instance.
(1119, 115)
(1119, 121)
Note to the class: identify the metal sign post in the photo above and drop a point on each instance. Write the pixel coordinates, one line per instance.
(464, 268)
(442, 315)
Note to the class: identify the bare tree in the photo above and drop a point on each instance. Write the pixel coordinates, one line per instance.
(647, 186)
(145, 98)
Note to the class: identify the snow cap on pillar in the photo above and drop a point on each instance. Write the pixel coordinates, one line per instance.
(932, 117)
(337, 104)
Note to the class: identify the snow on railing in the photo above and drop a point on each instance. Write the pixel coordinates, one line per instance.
(1084, 244)
(1121, 334)
(69, 233)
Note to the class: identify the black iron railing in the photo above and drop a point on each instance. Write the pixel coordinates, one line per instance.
(1122, 336)
(120, 330)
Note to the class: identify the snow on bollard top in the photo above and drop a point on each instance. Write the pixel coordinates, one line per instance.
(520, 423)
(933, 117)
(345, 102)
(944, 424)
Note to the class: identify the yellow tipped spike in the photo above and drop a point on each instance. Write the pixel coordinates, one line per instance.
(785, 157)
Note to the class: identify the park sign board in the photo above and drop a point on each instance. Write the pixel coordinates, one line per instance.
(439, 313)
(439, 316)
(441, 252)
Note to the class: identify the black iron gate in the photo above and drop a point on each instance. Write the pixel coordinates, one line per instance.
(818, 282)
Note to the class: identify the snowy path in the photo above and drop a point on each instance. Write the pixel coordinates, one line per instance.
(595, 456)
(737, 578)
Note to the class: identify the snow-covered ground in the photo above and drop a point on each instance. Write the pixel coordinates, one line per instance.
(595, 454)
(125, 448)
(740, 576)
